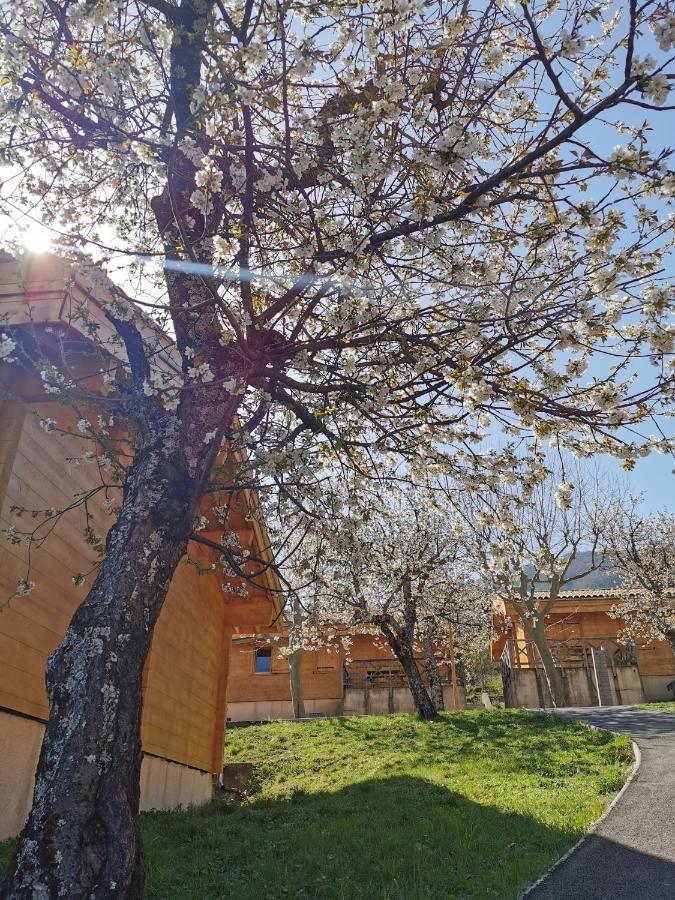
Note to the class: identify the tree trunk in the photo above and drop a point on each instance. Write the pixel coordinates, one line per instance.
(294, 662)
(551, 672)
(82, 837)
(423, 702)
(433, 674)
(294, 666)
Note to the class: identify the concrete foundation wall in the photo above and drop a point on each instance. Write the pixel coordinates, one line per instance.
(521, 689)
(580, 689)
(655, 686)
(527, 687)
(357, 702)
(448, 699)
(164, 784)
(168, 785)
(403, 700)
(380, 702)
(632, 688)
(354, 702)
(261, 710)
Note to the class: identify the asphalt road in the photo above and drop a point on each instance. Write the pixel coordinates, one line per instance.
(631, 855)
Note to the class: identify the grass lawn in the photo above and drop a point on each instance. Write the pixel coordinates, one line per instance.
(475, 805)
(658, 706)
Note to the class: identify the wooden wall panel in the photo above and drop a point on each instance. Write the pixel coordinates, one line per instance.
(321, 673)
(182, 708)
(183, 714)
(221, 702)
(656, 659)
(369, 646)
(563, 627)
(598, 624)
(32, 626)
(11, 417)
(22, 691)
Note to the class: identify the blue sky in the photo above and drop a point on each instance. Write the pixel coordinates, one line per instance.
(652, 476)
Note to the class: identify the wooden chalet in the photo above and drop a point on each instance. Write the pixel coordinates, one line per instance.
(597, 669)
(185, 678)
(366, 679)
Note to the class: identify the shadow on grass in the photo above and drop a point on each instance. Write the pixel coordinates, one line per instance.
(394, 830)
(381, 839)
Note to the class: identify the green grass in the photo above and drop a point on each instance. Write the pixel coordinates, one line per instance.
(475, 805)
(667, 706)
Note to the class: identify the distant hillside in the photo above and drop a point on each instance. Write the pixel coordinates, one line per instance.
(601, 578)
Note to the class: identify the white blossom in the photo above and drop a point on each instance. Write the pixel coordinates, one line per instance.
(656, 88)
(7, 346)
(572, 45)
(564, 494)
(24, 587)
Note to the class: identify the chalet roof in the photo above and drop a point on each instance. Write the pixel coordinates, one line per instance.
(45, 290)
(593, 593)
(587, 593)
(598, 598)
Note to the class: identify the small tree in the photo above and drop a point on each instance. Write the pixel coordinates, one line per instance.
(644, 551)
(527, 539)
(387, 558)
(471, 635)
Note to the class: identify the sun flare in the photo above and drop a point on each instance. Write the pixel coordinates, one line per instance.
(36, 238)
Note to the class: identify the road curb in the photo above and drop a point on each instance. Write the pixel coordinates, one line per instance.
(593, 827)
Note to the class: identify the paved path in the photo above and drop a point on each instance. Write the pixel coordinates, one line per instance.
(631, 856)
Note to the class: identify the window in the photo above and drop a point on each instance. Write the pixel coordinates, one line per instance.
(263, 659)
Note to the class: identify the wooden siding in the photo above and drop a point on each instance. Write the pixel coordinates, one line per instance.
(245, 684)
(370, 646)
(183, 712)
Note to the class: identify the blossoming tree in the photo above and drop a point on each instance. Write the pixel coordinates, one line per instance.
(380, 225)
(386, 557)
(644, 551)
(528, 540)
